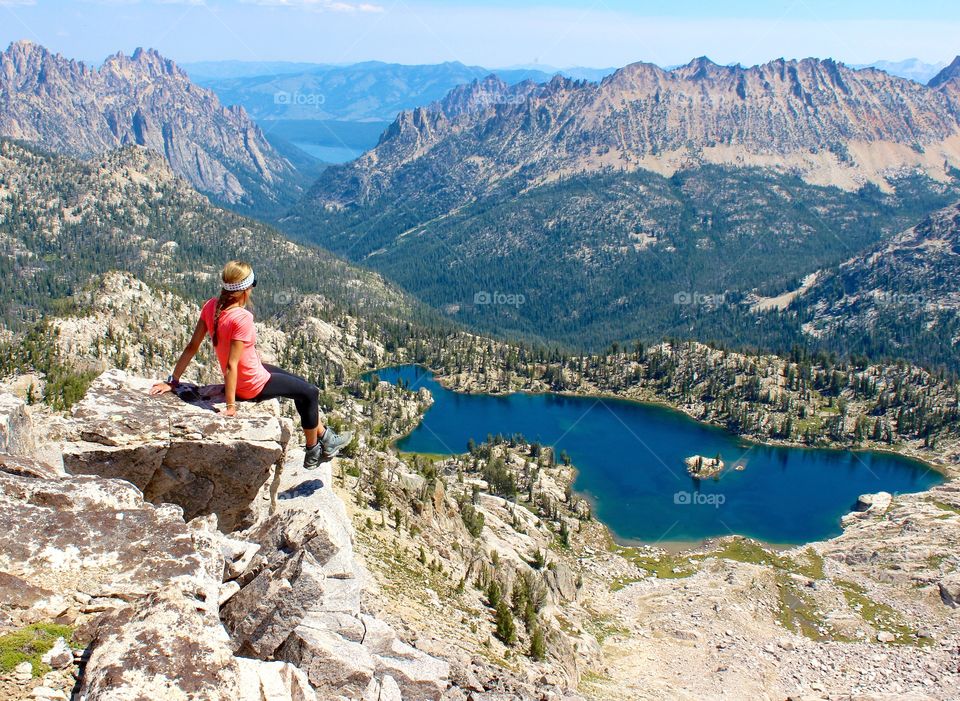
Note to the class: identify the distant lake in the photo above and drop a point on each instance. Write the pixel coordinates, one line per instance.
(630, 458)
(329, 154)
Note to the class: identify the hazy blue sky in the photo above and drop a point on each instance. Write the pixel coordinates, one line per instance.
(491, 33)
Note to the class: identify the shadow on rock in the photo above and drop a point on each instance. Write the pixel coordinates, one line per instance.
(304, 489)
(202, 397)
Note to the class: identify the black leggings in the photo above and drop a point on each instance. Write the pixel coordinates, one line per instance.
(305, 396)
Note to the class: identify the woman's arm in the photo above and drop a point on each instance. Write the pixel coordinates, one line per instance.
(193, 346)
(230, 378)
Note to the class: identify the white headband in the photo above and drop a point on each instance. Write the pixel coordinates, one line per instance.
(238, 286)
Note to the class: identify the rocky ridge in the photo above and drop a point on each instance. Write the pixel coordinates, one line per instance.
(818, 118)
(867, 614)
(69, 107)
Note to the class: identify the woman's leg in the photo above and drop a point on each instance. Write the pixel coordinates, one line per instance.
(305, 397)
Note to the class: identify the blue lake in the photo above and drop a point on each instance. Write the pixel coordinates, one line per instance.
(630, 458)
(329, 153)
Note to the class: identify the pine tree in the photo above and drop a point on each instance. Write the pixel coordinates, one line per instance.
(538, 644)
(506, 628)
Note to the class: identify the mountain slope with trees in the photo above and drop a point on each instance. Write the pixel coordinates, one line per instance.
(63, 220)
(653, 203)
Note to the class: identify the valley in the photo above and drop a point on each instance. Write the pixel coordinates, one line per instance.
(441, 535)
(652, 375)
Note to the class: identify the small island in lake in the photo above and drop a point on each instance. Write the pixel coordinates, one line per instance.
(700, 467)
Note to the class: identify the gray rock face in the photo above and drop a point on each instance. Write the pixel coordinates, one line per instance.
(75, 546)
(168, 645)
(272, 681)
(301, 602)
(16, 427)
(176, 452)
(950, 590)
(97, 535)
(143, 99)
(562, 582)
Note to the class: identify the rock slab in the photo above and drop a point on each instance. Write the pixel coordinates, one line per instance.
(174, 451)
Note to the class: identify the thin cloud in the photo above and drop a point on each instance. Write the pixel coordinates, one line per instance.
(321, 5)
(142, 2)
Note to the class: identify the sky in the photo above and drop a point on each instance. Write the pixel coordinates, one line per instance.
(491, 33)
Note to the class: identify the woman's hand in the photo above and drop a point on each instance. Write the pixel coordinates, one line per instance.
(231, 410)
(160, 388)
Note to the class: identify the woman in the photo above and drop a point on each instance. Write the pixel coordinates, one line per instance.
(234, 338)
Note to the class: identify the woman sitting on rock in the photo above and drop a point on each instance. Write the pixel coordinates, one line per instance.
(245, 377)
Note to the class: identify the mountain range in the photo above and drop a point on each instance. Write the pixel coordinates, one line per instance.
(607, 206)
(377, 91)
(68, 107)
(367, 91)
(831, 124)
(747, 206)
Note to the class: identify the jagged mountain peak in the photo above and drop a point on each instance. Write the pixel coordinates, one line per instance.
(948, 74)
(149, 61)
(640, 70)
(26, 47)
(29, 58)
(702, 67)
(478, 94)
(68, 107)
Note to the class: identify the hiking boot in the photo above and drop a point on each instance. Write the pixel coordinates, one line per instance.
(313, 456)
(332, 442)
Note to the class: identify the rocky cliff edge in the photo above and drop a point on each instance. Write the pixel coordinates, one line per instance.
(187, 558)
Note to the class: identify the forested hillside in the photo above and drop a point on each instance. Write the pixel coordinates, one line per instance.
(63, 221)
(593, 259)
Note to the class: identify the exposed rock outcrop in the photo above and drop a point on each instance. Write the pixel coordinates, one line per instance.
(16, 427)
(90, 552)
(950, 590)
(174, 451)
(301, 601)
(179, 610)
(169, 644)
(92, 536)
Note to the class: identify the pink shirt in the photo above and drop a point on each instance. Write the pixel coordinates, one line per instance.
(236, 324)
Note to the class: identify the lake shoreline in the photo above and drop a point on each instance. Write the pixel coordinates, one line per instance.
(935, 463)
(682, 544)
